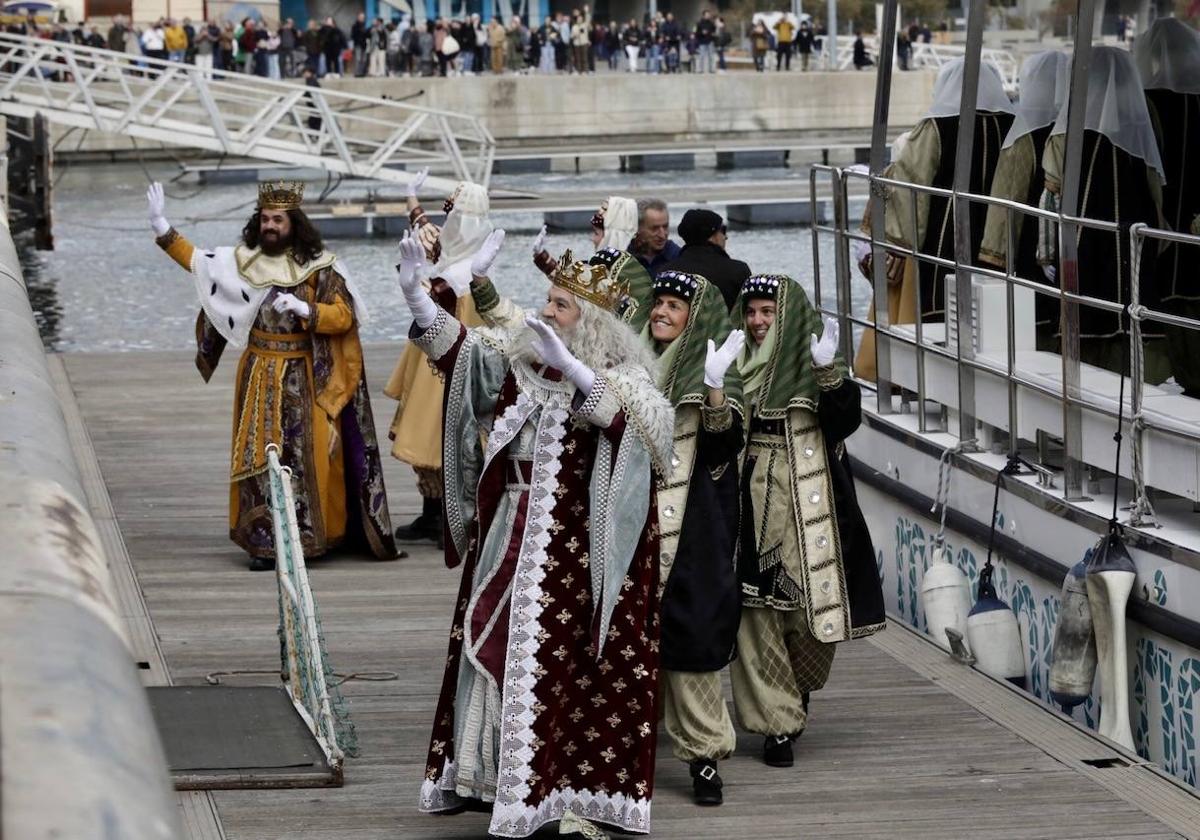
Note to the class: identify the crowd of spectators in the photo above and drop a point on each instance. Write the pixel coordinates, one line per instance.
(561, 43)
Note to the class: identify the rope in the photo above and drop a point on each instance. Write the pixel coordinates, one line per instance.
(945, 476)
(214, 677)
(1141, 510)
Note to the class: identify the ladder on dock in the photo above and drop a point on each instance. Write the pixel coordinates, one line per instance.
(237, 114)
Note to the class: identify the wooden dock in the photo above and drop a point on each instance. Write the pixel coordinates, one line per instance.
(903, 743)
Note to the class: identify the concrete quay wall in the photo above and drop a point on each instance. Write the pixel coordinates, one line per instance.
(629, 106)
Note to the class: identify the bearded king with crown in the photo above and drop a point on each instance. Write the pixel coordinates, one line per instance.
(549, 699)
(300, 384)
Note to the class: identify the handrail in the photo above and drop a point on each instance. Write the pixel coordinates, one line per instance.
(1141, 422)
(238, 114)
(933, 56)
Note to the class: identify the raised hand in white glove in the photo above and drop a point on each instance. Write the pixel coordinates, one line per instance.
(539, 244)
(718, 360)
(551, 350)
(287, 302)
(410, 258)
(418, 181)
(1051, 274)
(481, 263)
(825, 348)
(157, 209)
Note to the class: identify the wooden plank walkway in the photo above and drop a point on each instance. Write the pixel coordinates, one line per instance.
(890, 752)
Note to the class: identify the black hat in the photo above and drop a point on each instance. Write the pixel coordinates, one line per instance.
(677, 283)
(697, 226)
(762, 286)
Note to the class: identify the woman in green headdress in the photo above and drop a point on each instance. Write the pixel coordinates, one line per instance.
(806, 564)
(687, 327)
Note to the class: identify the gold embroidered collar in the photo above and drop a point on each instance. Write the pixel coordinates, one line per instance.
(261, 271)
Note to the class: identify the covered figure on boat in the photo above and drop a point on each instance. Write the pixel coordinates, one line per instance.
(300, 381)
(1045, 83)
(686, 325)
(1168, 61)
(916, 288)
(549, 699)
(806, 563)
(416, 430)
(1120, 180)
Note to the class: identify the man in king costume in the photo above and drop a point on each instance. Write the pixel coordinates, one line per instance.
(300, 381)
(550, 692)
(806, 563)
(416, 430)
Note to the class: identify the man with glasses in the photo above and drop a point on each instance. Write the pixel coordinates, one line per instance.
(704, 235)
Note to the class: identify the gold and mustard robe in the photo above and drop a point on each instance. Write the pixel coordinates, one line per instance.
(300, 385)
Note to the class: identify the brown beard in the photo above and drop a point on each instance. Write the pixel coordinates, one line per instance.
(276, 247)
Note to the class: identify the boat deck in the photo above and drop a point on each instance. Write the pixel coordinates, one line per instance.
(903, 742)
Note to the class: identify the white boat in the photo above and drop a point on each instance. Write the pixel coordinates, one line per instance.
(959, 398)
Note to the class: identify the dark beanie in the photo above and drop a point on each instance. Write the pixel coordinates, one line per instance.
(697, 226)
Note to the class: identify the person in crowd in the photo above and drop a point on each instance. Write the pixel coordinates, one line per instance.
(175, 41)
(806, 562)
(190, 31)
(333, 43)
(518, 36)
(784, 34)
(581, 40)
(804, 44)
(576, 428)
(207, 40)
(917, 288)
(903, 49)
(288, 301)
(652, 244)
(760, 42)
(359, 33)
(289, 41)
(1168, 60)
(723, 40)
(154, 41)
(631, 39)
(1045, 81)
(116, 34)
(314, 55)
(653, 47)
(227, 48)
(270, 46)
(704, 236)
(498, 42)
(377, 49)
(706, 35)
(862, 59)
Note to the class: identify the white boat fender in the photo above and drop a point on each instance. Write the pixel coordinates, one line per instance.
(1073, 654)
(994, 635)
(1110, 578)
(945, 598)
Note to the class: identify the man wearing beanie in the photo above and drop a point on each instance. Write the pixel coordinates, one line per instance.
(703, 234)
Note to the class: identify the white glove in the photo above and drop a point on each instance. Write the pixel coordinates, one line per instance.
(410, 258)
(418, 181)
(539, 244)
(1051, 274)
(718, 361)
(825, 348)
(158, 207)
(551, 350)
(287, 302)
(481, 263)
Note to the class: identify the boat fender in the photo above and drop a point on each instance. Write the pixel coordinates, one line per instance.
(994, 635)
(1073, 654)
(945, 598)
(1110, 578)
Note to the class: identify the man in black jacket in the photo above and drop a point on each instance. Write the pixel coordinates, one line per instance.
(704, 234)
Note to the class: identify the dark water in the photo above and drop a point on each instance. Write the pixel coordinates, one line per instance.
(107, 286)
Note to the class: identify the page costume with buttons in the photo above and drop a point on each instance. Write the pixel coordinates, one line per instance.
(698, 517)
(416, 430)
(806, 562)
(549, 699)
(300, 385)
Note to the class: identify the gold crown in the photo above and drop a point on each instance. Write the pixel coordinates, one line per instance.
(591, 282)
(280, 195)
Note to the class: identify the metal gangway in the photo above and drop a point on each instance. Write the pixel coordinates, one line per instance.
(285, 122)
(933, 56)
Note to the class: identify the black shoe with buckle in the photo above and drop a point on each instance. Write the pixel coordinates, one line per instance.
(262, 564)
(777, 751)
(427, 526)
(706, 782)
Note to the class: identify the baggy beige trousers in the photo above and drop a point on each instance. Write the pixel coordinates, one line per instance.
(695, 714)
(778, 661)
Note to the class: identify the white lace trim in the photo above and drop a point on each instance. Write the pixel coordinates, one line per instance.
(626, 812)
(439, 795)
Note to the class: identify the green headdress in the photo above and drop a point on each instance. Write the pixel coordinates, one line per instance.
(626, 268)
(681, 363)
(778, 374)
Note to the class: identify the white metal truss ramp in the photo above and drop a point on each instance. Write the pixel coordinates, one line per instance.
(235, 114)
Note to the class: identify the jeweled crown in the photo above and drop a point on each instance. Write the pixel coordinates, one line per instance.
(280, 195)
(590, 281)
